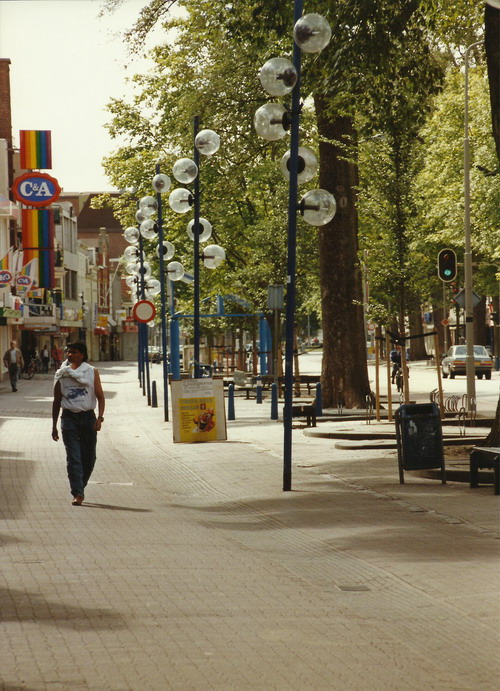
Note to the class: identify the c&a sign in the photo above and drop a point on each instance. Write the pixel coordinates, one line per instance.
(36, 189)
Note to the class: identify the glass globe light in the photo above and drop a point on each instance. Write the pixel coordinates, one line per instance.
(213, 256)
(153, 287)
(148, 229)
(151, 323)
(175, 271)
(131, 252)
(140, 216)
(318, 207)
(312, 33)
(494, 3)
(180, 200)
(185, 170)
(131, 281)
(278, 76)
(207, 142)
(271, 121)
(168, 250)
(148, 205)
(204, 232)
(161, 183)
(131, 235)
(144, 270)
(307, 165)
(131, 268)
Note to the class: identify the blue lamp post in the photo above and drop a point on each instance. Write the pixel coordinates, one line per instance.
(279, 77)
(186, 171)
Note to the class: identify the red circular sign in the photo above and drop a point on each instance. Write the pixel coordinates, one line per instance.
(36, 189)
(144, 311)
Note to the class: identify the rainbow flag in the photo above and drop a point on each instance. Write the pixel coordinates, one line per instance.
(36, 149)
(38, 243)
(6, 262)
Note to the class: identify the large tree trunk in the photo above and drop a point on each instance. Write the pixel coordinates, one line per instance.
(344, 376)
(417, 345)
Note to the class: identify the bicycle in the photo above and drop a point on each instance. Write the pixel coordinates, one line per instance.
(33, 367)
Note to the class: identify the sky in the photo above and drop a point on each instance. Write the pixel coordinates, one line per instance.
(66, 64)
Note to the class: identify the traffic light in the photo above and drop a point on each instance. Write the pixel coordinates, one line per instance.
(447, 265)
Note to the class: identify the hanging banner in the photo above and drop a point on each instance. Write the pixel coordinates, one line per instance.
(23, 284)
(198, 410)
(38, 243)
(35, 148)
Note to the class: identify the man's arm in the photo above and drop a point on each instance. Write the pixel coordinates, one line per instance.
(101, 403)
(56, 406)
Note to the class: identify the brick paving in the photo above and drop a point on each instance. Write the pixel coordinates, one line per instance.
(188, 568)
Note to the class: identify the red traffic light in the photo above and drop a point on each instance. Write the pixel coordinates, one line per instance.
(447, 265)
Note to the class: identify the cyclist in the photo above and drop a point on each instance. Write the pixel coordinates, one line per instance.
(396, 361)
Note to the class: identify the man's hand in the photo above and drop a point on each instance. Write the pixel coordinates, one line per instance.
(97, 425)
(55, 434)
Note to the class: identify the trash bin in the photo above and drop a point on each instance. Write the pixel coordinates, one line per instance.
(420, 439)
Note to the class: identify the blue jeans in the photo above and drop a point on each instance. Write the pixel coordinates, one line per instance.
(13, 376)
(80, 440)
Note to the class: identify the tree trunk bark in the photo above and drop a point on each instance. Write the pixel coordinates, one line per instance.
(344, 377)
(417, 345)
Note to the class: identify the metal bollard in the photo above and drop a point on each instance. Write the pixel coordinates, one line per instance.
(230, 402)
(274, 402)
(154, 403)
(258, 391)
(318, 402)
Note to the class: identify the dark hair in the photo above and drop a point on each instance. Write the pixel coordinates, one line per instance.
(81, 346)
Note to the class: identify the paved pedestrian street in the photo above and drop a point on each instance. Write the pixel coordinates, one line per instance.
(189, 569)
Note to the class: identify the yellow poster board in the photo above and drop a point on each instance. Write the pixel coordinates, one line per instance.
(198, 410)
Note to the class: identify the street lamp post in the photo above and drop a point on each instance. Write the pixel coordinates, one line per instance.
(280, 77)
(469, 307)
(161, 183)
(187, 171)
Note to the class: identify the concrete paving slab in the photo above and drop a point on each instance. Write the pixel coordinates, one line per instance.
(188, 568)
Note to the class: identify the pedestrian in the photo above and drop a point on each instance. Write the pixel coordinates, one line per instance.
(57, 356)
(396, 361)
(45, 359)
(77, 390)
(14, 363)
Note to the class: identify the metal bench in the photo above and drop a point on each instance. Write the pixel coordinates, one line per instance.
(485, 457)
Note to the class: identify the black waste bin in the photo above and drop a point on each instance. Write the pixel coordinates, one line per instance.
(420, 438)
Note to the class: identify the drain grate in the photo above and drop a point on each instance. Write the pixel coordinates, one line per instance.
(354, 588)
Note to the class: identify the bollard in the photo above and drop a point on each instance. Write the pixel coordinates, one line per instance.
(258, 391)
(318, 402)
(230, 402)
(154, 403)
(274, 402)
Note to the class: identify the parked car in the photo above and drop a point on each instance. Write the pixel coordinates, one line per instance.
(454, 362)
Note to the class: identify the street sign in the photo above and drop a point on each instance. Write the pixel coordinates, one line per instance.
(444, 322)
(460, 298)
(36, 189)
(144, 311)
(371, 327)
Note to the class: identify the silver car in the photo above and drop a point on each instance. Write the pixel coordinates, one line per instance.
(454, 362)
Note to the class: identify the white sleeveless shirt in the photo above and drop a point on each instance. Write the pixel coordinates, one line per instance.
(77, 389)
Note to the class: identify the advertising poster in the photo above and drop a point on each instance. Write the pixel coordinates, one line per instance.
(198, 410)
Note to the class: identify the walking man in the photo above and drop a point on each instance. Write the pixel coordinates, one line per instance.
(13, 361)
(77, 390)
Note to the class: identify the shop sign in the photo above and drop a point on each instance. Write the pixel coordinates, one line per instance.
(36, 189)
(5, 277)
